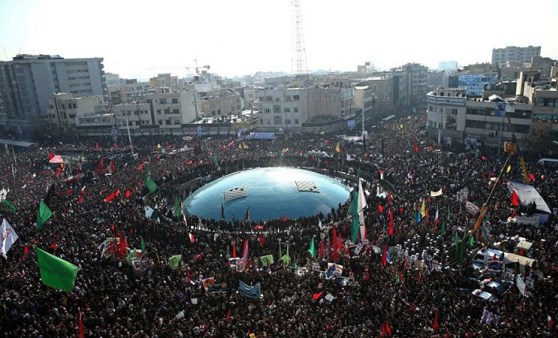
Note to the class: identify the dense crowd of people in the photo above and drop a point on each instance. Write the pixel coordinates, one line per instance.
(374, 298)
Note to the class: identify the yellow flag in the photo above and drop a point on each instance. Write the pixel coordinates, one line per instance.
(423, 208)
(508, 169)
(338, 148)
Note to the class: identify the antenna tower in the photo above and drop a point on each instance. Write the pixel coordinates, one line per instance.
(299, 39)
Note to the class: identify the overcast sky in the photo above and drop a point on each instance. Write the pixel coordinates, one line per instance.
(138, 39)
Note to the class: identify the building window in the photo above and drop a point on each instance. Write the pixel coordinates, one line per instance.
(276, 108)
(277, 120)
(267, 110)
(287, 110)
(296, 97)
(295, 109)
(174, 100)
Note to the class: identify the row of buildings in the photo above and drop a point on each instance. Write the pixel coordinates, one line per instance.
(76, 95)
(526, 109)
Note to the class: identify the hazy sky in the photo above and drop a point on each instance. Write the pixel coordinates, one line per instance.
(238, 37)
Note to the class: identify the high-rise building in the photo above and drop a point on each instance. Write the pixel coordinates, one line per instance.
(28, 81)
(500, 56)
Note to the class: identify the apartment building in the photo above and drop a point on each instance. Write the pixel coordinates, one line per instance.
(28, 81)
(520, 54)
(288, 108)
(224, 102)
(170, 110)
(67, 112)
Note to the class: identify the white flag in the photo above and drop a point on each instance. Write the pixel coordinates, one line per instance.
(9, 237)
(3, 194)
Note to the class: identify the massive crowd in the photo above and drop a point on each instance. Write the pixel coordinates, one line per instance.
(393, 299)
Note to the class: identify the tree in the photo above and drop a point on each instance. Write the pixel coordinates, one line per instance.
(540, 140)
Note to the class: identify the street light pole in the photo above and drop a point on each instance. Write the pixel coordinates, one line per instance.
(129, 137)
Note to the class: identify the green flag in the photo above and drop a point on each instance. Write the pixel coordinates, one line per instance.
(9, 205)
(312, 249)
(43, 214)
(174, 261)
(397, 281)
(471, 240)
(132, 255)
(353, 210)
(142, 243)
(443, 229)
(56, 272)
(150, 184)
(286, 258)
(177, 208)
(266, 260)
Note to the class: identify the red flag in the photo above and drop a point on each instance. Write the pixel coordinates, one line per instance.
(284, 219)
(127, 194)
(514, 199)
(390, 227)
(54, 246)
(228, 316)
(233, 249)
(140, 167)
(81, 329)
(532, 177)
(69, 192)
(50, 155)
(112, 167)
(101, 166)
(384, 255)
(317, 296)
(192, 238)
(388, 328)
(435, 324)
(366, 275)
(110, 197)
(334, 244)
(415, 145)
(380, 208)
(26, 249)
(483, 158)
(122, 250)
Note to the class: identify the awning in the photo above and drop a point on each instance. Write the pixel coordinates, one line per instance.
(528, 194)
(56, 159)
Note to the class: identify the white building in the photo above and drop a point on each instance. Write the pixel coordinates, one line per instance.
(364, 99)
(500, 56)
(451, 117)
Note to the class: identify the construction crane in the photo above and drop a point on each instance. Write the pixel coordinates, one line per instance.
(195, 67)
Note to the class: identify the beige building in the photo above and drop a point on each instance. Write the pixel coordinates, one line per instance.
(71, 113)
(172, 109)
(382, 87)
(164, 80)
(221, 103)
(285, 108)
(138, 115)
